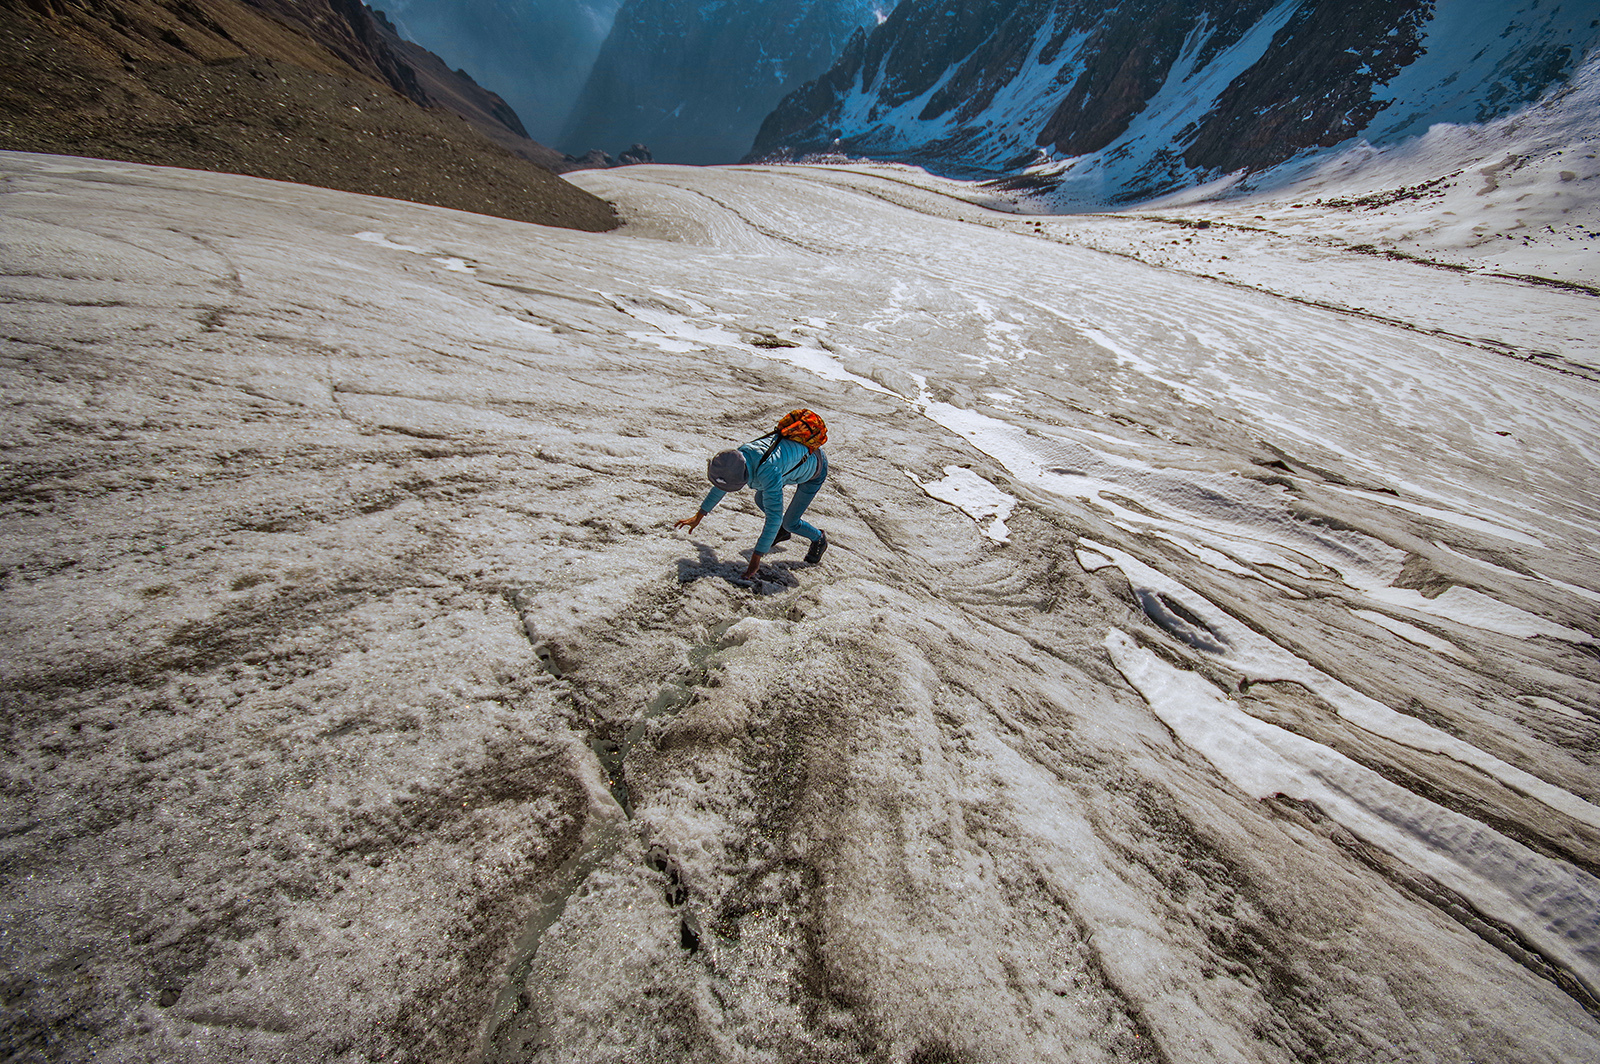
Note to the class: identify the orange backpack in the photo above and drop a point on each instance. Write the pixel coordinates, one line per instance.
(803, 426)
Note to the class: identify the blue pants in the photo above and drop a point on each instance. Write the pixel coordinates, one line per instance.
(796, 524)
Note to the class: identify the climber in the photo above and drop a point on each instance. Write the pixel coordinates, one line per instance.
(790, 454)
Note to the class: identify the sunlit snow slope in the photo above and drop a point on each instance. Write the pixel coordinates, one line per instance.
(1197, 674)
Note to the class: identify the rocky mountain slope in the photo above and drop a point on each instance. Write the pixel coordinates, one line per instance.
(1148, 96)
(316, 92)
(693, 79)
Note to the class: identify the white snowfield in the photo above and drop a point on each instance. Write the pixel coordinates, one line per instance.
(1197, 674)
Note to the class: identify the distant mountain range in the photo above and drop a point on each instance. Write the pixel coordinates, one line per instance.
(1106, 103)
(694, 78)
(1083, 103)
(321, 92)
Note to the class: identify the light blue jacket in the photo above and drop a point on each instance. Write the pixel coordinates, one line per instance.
(789, 463)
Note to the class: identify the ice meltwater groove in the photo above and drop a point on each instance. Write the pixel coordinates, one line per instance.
(1550, 904)
(515, 1027)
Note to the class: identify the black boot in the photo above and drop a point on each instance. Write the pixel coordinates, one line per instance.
(818, 545)
(783, 534)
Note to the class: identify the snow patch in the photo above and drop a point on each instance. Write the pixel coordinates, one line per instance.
(1469, 607)
(1259, 659)
(1549, 901)
(1410, 633)
(975, 497)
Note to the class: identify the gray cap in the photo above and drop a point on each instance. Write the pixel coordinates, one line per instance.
(728, 471)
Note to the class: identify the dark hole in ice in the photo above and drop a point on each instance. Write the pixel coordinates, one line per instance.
(1183, 611)
(688, 934)
(168, 998)
(548, 660)
(659, 859)
(1181, 621)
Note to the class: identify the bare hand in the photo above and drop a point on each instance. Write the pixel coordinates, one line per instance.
(755, 563)
(688, 522)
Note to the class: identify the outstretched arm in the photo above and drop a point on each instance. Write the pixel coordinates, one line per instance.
(714, 496)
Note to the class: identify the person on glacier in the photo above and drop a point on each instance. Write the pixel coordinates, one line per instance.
(794, 455)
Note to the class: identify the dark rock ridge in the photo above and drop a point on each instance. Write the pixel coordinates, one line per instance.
(434, 84)
(429, 81)
(535, 53)
(347, 29)
(694, 78)
(1152, 95)
(308, 91)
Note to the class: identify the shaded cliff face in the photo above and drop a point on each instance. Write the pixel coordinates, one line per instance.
(535, 53)
(310, 91)
(694, 78)
(1150, 95)
(434, 84)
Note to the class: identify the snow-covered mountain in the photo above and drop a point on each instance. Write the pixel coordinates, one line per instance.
(1138, 98)
(694, 78)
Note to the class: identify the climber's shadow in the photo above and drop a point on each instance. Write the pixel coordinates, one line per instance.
(770, 578)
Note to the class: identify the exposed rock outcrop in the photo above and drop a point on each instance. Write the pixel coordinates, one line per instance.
(636, 155)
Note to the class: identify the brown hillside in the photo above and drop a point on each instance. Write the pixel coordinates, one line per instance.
(221, 85)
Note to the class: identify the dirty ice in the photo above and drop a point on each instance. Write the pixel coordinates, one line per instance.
(1204, 669)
